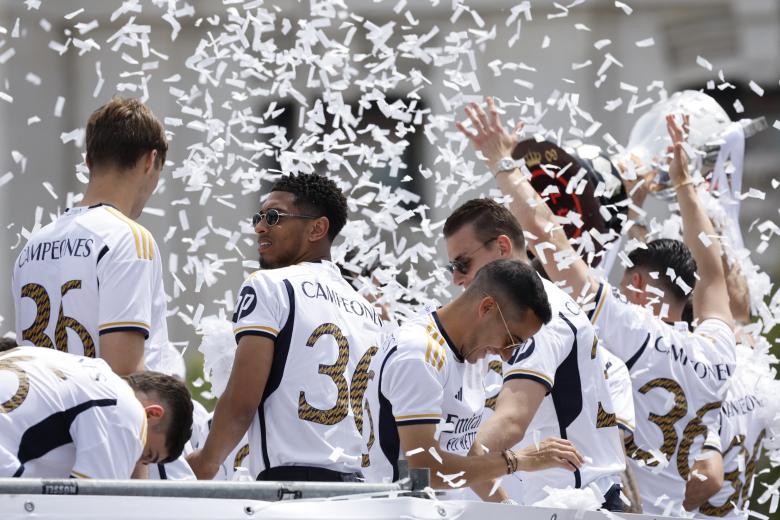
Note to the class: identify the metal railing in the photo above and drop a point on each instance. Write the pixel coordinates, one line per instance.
(411, 483)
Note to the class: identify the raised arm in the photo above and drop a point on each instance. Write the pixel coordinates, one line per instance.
(710, 296)
(489, 137)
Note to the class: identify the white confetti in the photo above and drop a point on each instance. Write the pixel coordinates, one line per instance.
(647, 42)
(6, 178)
(701, 62)
(7, 55)
(756, 88)
(74, 14)
(625, 7)
(58, 106)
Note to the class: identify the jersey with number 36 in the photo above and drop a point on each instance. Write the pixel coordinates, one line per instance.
(90, 272)
(324, 336)
(680, 379)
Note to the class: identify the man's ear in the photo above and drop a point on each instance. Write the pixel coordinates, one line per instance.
(638, 279)
(486, 304)
(154, 412)
(504, 245)
(150, 160)
(319, 229)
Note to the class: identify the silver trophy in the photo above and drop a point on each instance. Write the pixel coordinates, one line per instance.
(709, 130)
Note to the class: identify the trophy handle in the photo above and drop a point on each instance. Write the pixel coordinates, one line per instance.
(750, 126)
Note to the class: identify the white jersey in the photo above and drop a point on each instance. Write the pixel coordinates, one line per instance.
(90, 272)
(565, 358)
(741, 431)
(419, 378)
(324, 335)
(621, 390)
(679, 382)
(66, 416)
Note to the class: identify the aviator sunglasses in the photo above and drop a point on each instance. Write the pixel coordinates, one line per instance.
(461, 263)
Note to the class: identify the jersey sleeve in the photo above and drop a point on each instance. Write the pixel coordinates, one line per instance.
(413, 381)
(262, 307)
(718, 346)
(624, 326)
(620, 390)
(539, 359)
(106, 446)
(126, 273)
(720, 431)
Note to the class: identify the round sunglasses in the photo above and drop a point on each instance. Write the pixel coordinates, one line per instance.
(272, 217)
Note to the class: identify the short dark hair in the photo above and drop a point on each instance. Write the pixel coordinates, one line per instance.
(515, 283)
(661, 254)
(489, 219)
(7, 344)
(178, 407)
(121, 131)
(316, 193)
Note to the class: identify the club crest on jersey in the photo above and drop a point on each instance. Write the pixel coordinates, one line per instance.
(246, 303)
(523, 352)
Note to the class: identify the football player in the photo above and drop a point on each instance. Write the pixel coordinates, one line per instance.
(90, 282)
(555, 385)
(305, 339)
(426, 391)
(70, 416)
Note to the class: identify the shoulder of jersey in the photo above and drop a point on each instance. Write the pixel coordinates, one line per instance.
(276, 275)
(111, 220)
(423, 340)
(555, 295)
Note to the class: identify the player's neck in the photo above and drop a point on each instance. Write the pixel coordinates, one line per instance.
(450, 318)
(115, 190)
(315, 255)
(674, 313)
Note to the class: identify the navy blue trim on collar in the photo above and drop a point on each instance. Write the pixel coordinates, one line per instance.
(446, 337)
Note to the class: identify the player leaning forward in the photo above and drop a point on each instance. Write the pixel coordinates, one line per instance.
(90, 283)
(680, 378)
(305, 338)
(426, 391)
(70, 416)
(554, 384)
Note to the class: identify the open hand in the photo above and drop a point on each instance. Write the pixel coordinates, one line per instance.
(551, 453)
(678, 167)
(488, 134)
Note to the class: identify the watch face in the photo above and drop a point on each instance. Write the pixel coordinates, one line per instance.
(506, 164)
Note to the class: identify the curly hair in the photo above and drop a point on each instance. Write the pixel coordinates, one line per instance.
(318, 194)
(178, 407)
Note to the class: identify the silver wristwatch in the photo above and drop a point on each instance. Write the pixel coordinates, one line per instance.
(506, 164)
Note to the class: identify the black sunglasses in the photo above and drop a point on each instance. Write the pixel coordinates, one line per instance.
(462, 263)
(272, 217)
